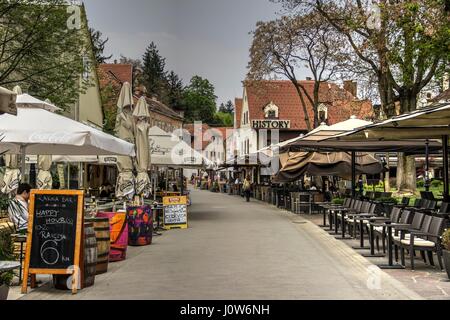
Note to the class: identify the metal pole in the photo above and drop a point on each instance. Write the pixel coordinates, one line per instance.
(22, 163)
(446, 173)
(182, 181)
(68, 176)
(353, 174)
(427, 166)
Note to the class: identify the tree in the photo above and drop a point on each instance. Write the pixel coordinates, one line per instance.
(282, 47)
(98, 44)
(40, 53)
(154, 74)
(200, 101)
(174, 89)
(224, 119)
(227, 108)
(404, 43)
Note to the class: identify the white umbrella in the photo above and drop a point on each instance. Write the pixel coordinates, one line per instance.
(25, 100)
(37, 131)
(142, 117)
(7, 101)
(125, 186)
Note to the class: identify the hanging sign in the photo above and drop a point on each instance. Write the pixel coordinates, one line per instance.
(175, 212)
(54, 238)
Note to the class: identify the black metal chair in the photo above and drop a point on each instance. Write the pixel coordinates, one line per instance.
(425, 240)
(399, 216)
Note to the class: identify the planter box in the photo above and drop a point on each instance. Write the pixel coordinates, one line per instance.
(4, 290)
(446, 258)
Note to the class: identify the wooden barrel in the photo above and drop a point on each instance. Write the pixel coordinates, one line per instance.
(89, 262)
(118, 227)
(140, 226)
(102, 235)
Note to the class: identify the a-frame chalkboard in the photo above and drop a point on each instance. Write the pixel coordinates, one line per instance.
(54, 239)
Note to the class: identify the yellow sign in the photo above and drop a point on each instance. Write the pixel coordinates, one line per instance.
(175, 212)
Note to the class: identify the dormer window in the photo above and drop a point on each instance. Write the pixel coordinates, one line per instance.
(323, 113)
(271, 111)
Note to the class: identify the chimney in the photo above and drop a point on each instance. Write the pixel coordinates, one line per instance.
(115, 61)
(352, 87)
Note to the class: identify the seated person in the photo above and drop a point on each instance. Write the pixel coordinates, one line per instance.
(175, 187)
(18, 208)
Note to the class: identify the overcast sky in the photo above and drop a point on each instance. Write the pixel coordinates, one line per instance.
(205, 37)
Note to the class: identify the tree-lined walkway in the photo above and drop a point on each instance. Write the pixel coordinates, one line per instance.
(238, 250)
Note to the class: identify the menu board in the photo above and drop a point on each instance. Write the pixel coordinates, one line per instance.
(175, 212)
(54, 232)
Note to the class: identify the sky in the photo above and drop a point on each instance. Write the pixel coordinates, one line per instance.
(209, 38)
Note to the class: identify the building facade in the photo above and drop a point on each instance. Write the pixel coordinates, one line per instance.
(271, 111)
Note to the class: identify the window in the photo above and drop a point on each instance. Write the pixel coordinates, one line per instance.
(271, 111)
(323, 113)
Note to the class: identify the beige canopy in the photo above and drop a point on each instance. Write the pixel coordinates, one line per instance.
(296, 164)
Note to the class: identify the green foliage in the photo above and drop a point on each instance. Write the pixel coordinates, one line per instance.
(154, 74)
(224, 119)
(40, 53)
(227, 107)
(420, 184)
(338, 201)
(200, 101)
(436, 183)
(98, 46)
(108, 94)
(174, 90)
(6, 254)
(446, 239)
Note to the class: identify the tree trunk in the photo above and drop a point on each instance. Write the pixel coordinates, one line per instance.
(305, 110)
(387, 176)
(406, 174)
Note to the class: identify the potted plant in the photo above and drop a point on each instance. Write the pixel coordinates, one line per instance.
(6, 254)
(446, 250)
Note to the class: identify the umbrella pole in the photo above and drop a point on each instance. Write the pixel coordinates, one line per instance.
(427, 166)
(22, 163)
(446, 173)
(353, 174)
(182, 181)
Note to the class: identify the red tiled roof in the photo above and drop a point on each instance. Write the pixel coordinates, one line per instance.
(122, 72)
(238, 112)
(341, 103)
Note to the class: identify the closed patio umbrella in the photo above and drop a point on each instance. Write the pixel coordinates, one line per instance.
(7, 101)
(44, 179)
(12, 176)
(142, 117)
(125, 186)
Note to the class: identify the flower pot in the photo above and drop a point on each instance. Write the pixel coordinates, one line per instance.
(446, 258)
(4, 289)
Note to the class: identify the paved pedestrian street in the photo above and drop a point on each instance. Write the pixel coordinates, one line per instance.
(238, 250)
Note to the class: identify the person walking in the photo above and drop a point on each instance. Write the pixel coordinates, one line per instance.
(247, 188)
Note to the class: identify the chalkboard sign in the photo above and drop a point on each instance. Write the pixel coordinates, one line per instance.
(175, 212)
(54, 233)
